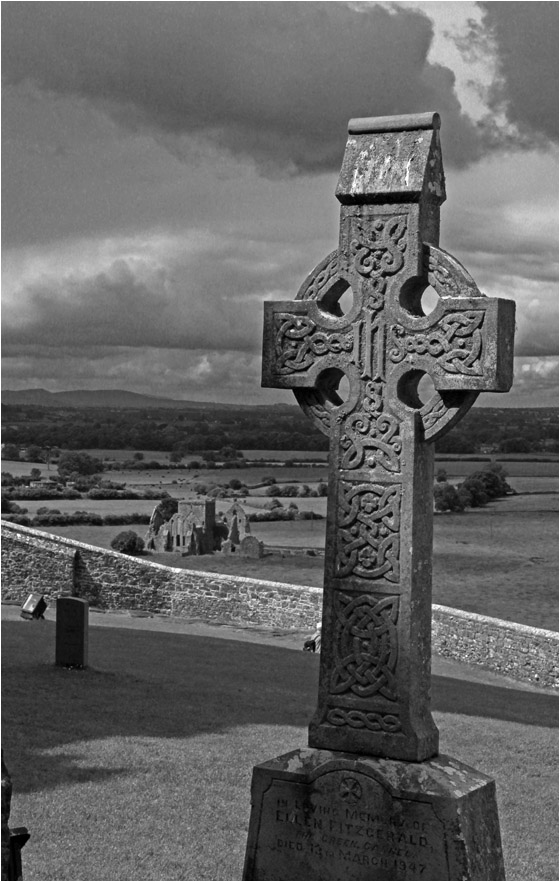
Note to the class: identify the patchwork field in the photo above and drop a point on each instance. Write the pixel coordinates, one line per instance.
(500, 560)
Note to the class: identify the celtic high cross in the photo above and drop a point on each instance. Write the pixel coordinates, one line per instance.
(374, 690)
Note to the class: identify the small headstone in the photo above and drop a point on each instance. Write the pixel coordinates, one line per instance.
(34, 607)
(72, 632)
(251, 547)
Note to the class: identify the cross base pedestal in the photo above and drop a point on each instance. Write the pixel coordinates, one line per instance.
(318, 814)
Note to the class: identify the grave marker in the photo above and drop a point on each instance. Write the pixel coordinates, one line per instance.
(374, 689)
(72, 616)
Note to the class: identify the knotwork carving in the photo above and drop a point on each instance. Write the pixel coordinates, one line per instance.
(433, 412)
(447, 275)
(357, 719)
(299, 343)
(378, 250)
(313, 405)
(368, 534)
(371, 435)
(365, 646)
(456, 343)
(320, 280)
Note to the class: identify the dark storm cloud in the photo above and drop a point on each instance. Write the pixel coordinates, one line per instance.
(180, 299)
(273, 81)
(522, 38)
(526, 37)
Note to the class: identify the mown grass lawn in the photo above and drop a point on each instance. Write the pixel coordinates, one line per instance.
(140, 766)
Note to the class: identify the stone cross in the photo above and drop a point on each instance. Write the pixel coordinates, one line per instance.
(374, 689)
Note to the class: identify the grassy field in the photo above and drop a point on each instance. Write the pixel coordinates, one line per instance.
(500, 560)
(140, 766)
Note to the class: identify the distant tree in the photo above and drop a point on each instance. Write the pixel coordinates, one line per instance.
(493, 479)
(236, 484)
(11, 452)
(175, 456)
(221, 533)
(447, 497)
(441, 476)
(7, 505)
(229, 453)
(473, 493)
(78, 463)
(34, 453)
(515, 445)
(138, 456)
(322, 488)
(35, 474)
(128, 542)
(168, 507)
(454, 443)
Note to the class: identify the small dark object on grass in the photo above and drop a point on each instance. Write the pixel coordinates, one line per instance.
(313, 643)
(18, 838)
(34, 607)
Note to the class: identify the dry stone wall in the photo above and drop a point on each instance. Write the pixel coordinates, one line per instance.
(33, 561)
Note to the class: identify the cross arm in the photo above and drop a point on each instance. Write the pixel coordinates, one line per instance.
(466, 344)
(301, 343)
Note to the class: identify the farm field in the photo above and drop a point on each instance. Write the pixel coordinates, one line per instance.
(500, 560)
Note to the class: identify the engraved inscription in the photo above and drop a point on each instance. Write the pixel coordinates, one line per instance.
(368, 535)
(366, 647)
(347, 827)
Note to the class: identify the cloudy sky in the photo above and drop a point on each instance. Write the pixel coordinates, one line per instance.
(168, 167)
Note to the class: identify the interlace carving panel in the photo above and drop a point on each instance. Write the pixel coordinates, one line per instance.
(365, 660)
(299, 342)
(368, 530)
(456, 343)
(378, 244)
(371, 437)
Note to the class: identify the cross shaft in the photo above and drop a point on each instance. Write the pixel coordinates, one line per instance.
(375, 659)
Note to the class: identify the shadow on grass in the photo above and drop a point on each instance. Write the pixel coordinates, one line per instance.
(177, 686)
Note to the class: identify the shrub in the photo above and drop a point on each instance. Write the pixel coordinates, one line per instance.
(128, 542)
(473, 492)
(448, 498)
(167, 507)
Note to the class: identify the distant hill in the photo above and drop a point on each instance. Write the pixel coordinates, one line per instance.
(107, 398)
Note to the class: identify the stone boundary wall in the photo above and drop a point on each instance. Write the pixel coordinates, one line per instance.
(34, 561)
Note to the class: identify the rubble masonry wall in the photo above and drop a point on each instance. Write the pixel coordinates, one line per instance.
(34, 561)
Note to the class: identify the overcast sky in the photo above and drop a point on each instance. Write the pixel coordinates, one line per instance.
(168, 167)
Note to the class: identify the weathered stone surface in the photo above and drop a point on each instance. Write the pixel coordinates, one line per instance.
(323, 815)
(72, 633)
(191, 530)
(370, 802)
(375, 660)
(251, 547)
